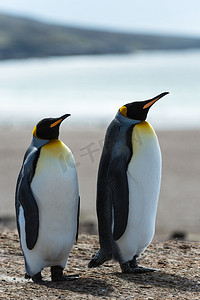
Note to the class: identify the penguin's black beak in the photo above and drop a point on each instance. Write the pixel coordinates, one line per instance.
(64, 116)
(59, 120)
(149, 103)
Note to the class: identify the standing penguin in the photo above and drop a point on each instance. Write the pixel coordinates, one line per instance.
(128, 187)
(47, 202)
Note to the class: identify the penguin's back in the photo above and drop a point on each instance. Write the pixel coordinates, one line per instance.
(55, 189)
(144, 177)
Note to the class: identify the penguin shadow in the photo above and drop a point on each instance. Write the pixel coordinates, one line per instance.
(83, 285)
(161, 279)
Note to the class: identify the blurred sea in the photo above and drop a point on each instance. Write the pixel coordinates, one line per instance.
(92, 88)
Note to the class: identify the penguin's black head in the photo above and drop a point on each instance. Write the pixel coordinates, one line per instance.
(138, 110)
(48, 129)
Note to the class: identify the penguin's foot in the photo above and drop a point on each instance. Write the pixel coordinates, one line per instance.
(99, 259)
(136, 270)
(26, 276)
(57, 275)
(37, 278)
(131, 267)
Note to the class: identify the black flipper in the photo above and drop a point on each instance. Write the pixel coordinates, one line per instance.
(119, 194)
(25, 197)
(78, 213)
(112, 189)
(99, 258)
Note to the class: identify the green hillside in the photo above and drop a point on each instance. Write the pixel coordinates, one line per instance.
(23, 38)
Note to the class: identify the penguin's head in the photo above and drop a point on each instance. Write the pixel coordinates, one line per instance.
(138, 110)
(48, 129)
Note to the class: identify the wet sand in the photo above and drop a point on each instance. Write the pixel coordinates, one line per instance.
(179, 203)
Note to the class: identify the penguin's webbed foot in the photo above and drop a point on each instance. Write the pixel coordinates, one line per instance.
(26, 276)
(99, 258)
(136, 270)
(57, 275)
(131, 267)
(37, 278)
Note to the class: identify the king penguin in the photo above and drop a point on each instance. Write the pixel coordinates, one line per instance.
(47, 202)
(128, 187)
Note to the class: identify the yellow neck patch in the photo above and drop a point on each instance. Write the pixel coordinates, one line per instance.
(55, 148)
(123, 111)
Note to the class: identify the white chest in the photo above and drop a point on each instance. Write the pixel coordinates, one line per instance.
(144, 178)
(55, 184)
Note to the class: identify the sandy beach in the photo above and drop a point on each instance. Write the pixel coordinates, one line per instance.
(179, 204)
(176, 276)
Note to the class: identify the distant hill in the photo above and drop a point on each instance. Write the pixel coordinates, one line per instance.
(23, 38)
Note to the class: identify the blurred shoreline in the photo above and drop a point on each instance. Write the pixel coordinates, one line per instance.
(34, 38)
(179, 205)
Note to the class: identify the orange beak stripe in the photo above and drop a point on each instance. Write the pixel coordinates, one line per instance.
(150, 103)
(55, 123)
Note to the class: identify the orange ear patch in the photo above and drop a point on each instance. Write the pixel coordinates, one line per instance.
(123, 111)
(34, 131)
